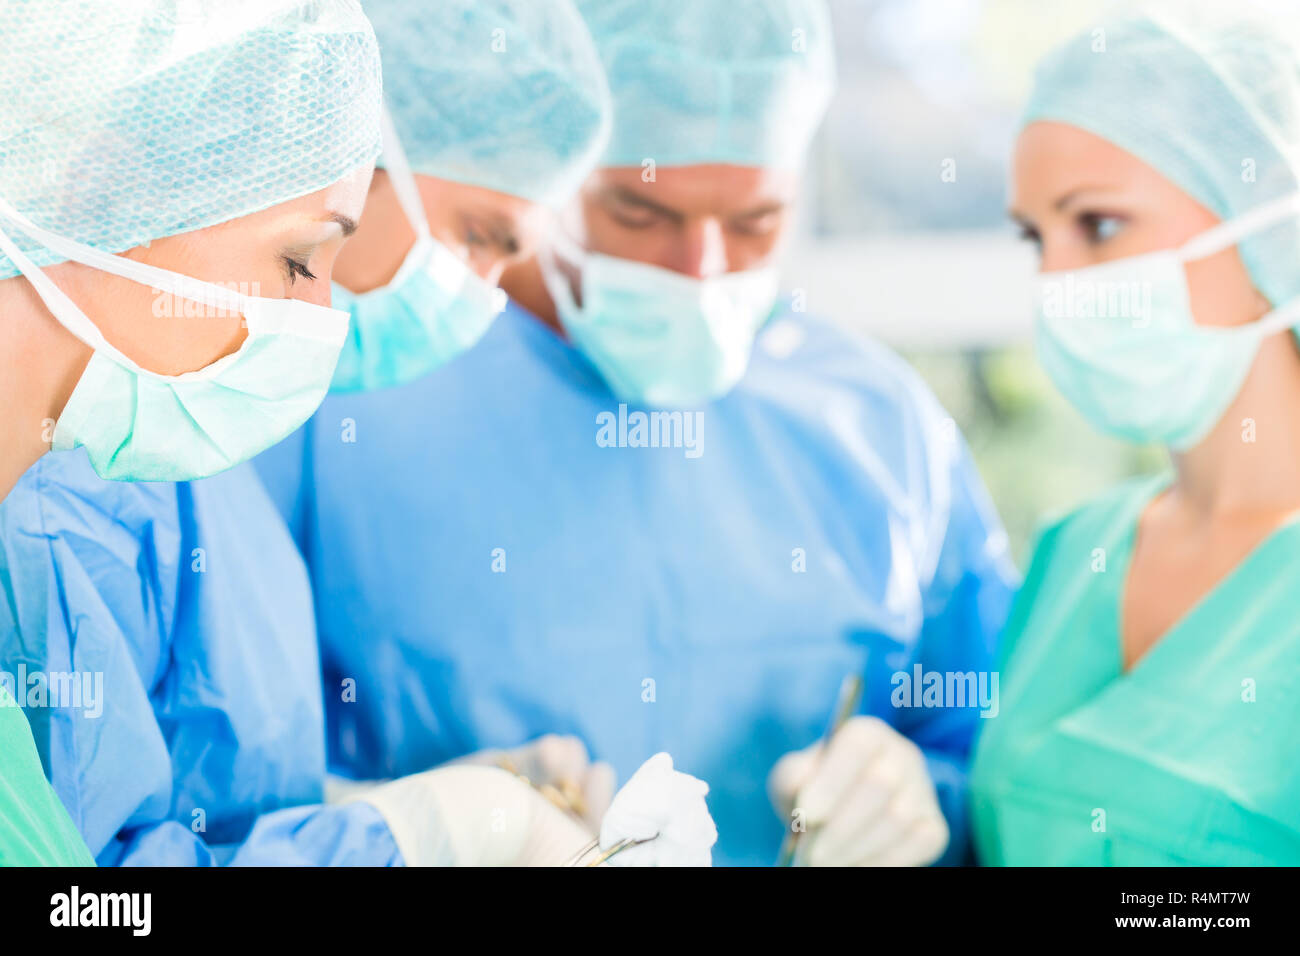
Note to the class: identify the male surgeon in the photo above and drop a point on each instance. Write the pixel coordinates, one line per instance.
(658, 508)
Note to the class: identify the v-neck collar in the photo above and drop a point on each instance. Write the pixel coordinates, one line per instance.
(1135, 509)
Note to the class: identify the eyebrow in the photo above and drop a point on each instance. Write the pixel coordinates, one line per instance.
(347, 223)
(1060, 203)
(1065, 200)
(500, 228)
(623, 194)
(765, 209)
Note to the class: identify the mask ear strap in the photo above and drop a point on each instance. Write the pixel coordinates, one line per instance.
(1227, 234)
(163, 280)
(399, 170)
(69, 314)
(554, 277)
(1283, 317)
(56, 300)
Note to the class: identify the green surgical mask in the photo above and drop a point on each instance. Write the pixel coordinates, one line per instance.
(434, 308)
(659, 338)
(1119, 341)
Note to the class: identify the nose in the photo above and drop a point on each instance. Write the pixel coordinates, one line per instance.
(490, 270)
(1057, 257)
(703, 249)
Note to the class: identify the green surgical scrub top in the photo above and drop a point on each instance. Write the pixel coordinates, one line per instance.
(35, 830)
(1191, 757)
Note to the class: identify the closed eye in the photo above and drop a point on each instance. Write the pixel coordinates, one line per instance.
(295, 269)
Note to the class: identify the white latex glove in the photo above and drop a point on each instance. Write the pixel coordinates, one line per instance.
(560, 767)
(475, 816)
(866, 799)
(666, 808)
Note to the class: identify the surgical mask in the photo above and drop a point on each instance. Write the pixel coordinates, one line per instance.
(657, 337)
(1120, 342)
(432, 310)
(138, 425)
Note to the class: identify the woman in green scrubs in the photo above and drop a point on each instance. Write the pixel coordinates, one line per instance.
(35, 830)
(1150, 673)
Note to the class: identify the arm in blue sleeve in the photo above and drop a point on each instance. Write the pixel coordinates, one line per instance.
(87, 604)
(349, 834)
(966, 607)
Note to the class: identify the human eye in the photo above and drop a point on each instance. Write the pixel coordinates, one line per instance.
(296, 268)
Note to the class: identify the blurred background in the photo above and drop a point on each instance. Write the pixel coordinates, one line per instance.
(905, 234)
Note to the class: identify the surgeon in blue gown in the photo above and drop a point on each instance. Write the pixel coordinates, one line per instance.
(207, 669)
(507, 548)
(183, 609)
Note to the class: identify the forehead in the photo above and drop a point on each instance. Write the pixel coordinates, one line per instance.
(466, 197)
(1057, 156)
(347, 197)
(712, 190)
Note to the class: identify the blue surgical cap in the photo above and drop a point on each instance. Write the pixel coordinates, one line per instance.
(1206, 93)
(504, 94)
(129, 121)
(743, 82)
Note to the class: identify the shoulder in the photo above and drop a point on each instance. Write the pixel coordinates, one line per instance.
(848, 392)
(805, 346)
(61, 513)
(868, 422)
(1097, 522)
(62, 484)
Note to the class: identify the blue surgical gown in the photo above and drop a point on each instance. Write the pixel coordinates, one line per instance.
(495, 556)
(184, 613)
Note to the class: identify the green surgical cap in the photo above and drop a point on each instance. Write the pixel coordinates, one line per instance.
(504, 94)
(126, 121)
(1206, 93)
(743, 82)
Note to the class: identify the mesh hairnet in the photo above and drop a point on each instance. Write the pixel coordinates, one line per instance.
(504, 94)
(127, 121)
(744, 82)
(1206, 93)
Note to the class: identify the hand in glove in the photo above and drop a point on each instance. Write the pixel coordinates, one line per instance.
(864, 799)
(475, 816)
(560, 767)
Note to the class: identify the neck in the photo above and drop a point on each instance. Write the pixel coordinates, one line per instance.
(524, 284)
(1249, 465)
(41, 364)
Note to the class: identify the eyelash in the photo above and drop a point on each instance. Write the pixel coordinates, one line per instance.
(760, 227)
(639, 219)
(508, 246)
(296, 269)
